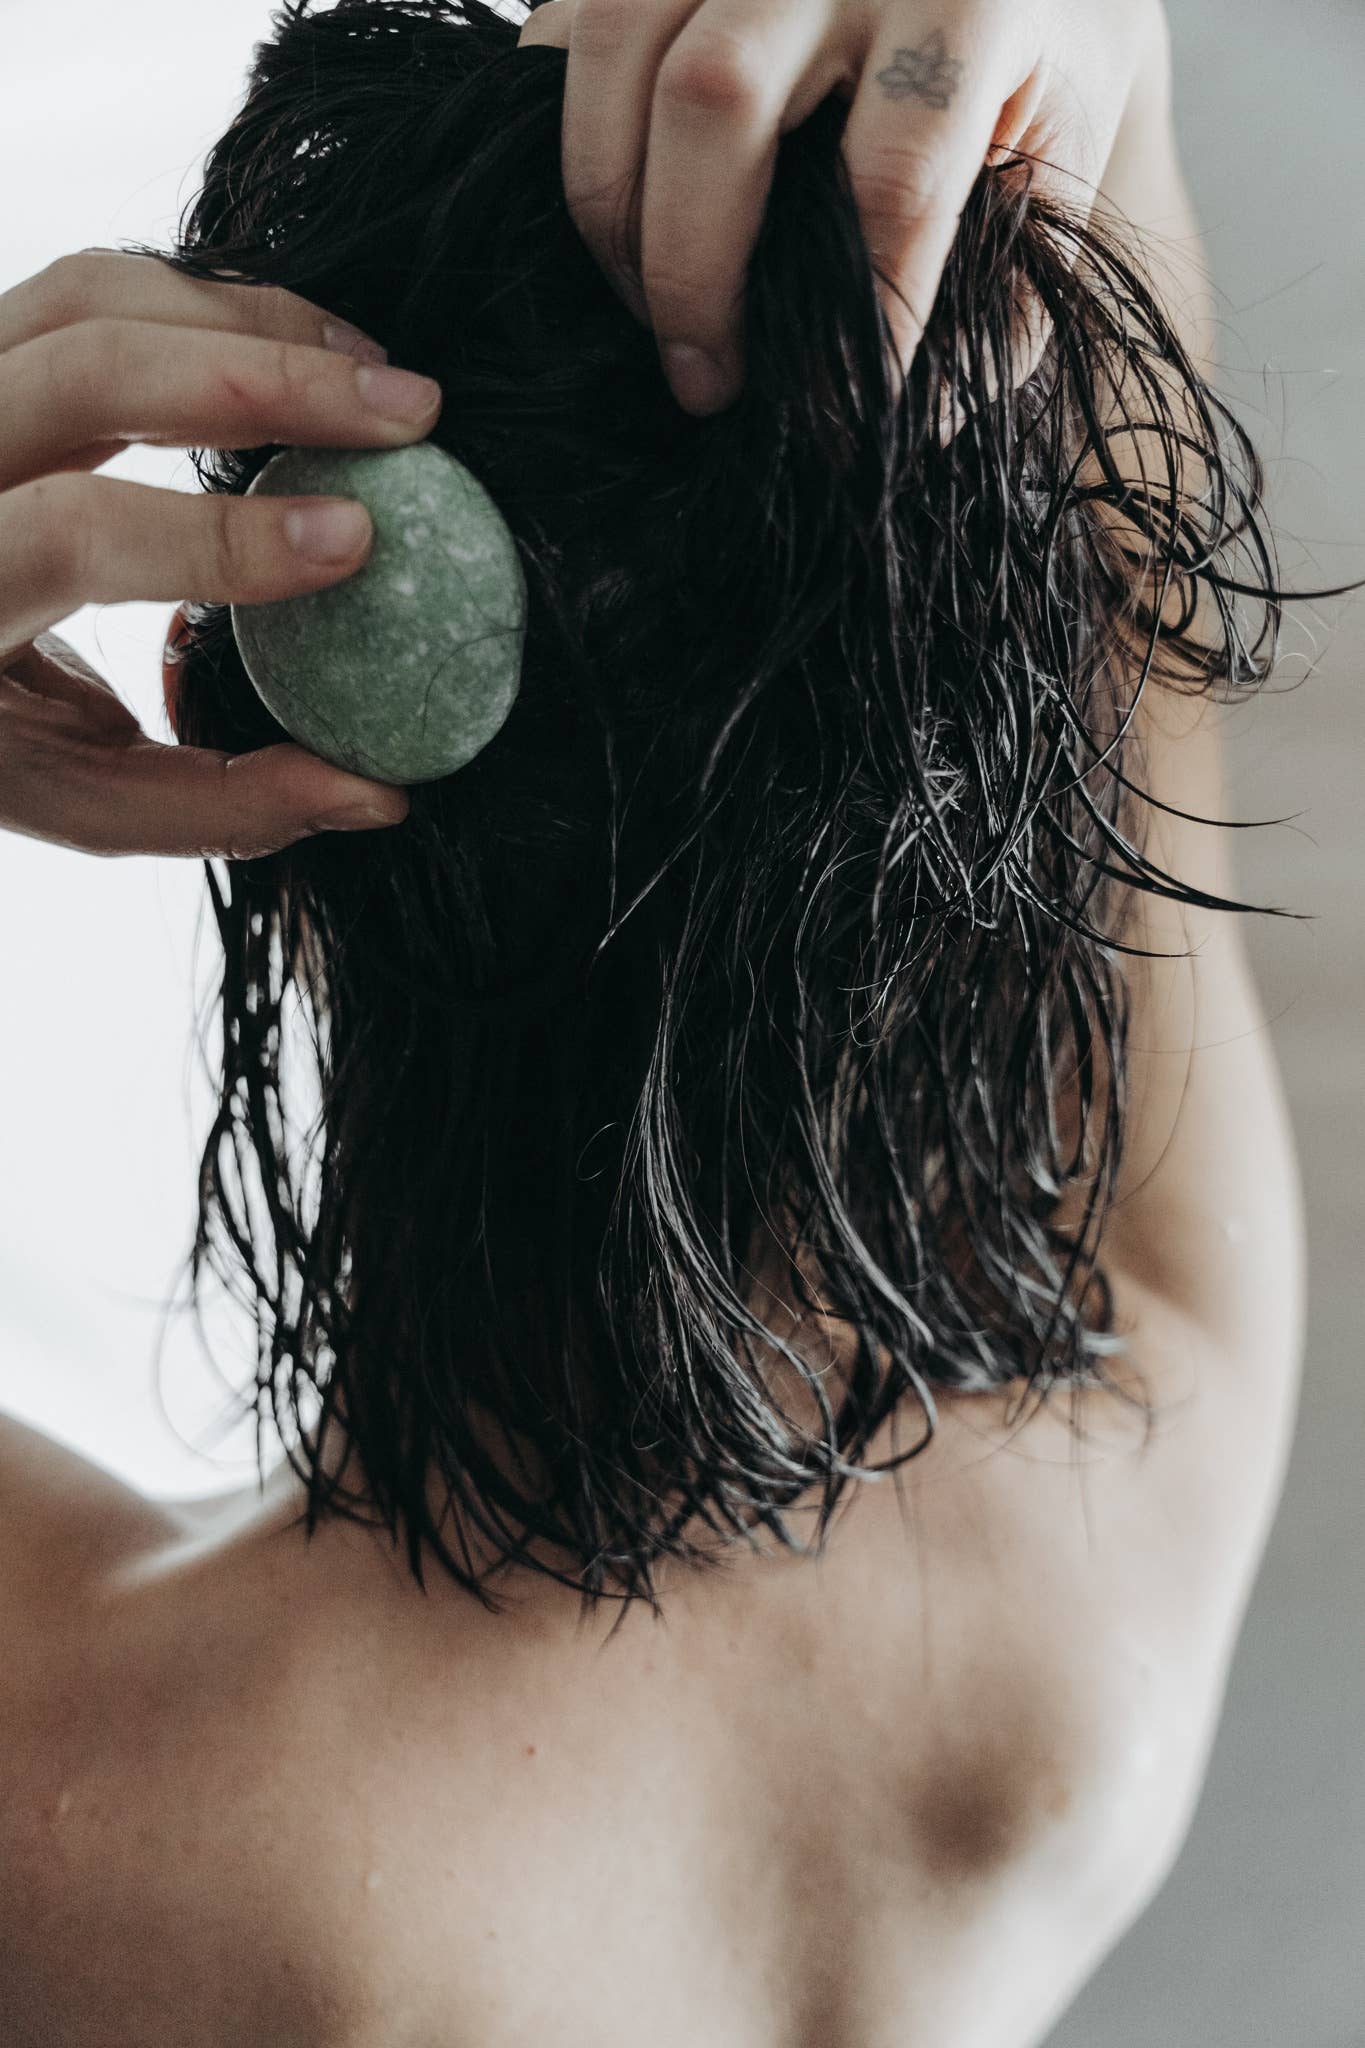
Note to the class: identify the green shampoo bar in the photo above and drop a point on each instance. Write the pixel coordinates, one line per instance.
(406, 670)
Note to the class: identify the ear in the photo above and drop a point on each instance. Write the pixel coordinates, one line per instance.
(172, 663)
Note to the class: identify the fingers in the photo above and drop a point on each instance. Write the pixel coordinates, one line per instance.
(105, 380)
(1066, 116)
(106, 284)
(76, 769)
(195, 802)
(614, 50)
(717, 114)
(700, 94)
(920, 128)
(71, 540)
(673, 110)
(672, 114)
(103, 349)
(547, 24)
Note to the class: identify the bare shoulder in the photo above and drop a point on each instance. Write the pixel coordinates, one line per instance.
(1137, 1512)
(65, 1521)
(1205, 1482)
(1100, 1570)
(1205, 1242)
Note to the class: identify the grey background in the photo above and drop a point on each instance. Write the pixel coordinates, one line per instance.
(1257, 1937)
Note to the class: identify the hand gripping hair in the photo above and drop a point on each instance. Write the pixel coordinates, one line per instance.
(407, 670)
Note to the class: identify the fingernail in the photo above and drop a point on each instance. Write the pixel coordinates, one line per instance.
(345, 340)
(700, 382)
(398, 394)
(352, 818)
(333, 530)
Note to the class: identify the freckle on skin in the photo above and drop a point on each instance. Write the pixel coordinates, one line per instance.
(530, 1749)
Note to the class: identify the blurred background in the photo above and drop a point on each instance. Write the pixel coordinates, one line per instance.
(1256, 1937)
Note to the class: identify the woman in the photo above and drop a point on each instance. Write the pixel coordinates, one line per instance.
(824, 995)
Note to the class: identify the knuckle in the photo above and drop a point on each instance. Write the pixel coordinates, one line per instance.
(234, 567)
(298, 374)
(600, 27)
(274, 313)
(272, 380)
(677, 302)
(71, 287)
(286, 370)
(102, 351)
(280, 311)
(105, 372)
(57, 519)
(86, 361)
(714, 71)
(604, 209)
(899, 186)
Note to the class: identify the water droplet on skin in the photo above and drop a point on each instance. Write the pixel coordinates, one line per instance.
(63, 1802)
(1234, 1229)
(373, 1881)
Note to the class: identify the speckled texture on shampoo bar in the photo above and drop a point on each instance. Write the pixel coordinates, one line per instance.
(404, 671)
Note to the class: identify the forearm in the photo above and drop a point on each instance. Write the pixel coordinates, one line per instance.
(1143, 182)
(1209, 1212)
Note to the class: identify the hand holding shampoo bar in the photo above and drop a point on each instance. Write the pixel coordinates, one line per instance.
(406, 670)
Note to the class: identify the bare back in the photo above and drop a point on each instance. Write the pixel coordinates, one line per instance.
(257, 1791)
(262, 1791)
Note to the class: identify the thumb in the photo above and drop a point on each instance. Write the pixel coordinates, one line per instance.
(77, 769)
(242, 805)
(200, 802)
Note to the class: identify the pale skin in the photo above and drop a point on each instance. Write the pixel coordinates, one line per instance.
(103, 349)
(673, 110)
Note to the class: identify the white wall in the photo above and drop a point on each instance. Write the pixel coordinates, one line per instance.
(105, 115)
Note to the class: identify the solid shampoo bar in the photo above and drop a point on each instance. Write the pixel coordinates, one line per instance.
(408, 668)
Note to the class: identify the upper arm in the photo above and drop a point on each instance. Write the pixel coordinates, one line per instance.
(1208, 1213)
(1204, 1242)
(1208, 1210)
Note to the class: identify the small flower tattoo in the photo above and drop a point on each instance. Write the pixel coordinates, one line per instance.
(928, 73)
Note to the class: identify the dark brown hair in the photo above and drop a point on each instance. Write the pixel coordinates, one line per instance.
(789, 898)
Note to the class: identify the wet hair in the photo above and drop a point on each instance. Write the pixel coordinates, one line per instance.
(788, 907)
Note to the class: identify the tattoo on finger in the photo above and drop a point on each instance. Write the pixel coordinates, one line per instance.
(925, 73)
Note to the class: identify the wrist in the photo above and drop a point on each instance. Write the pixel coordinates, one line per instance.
(1144, 184)
(1147, 112)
